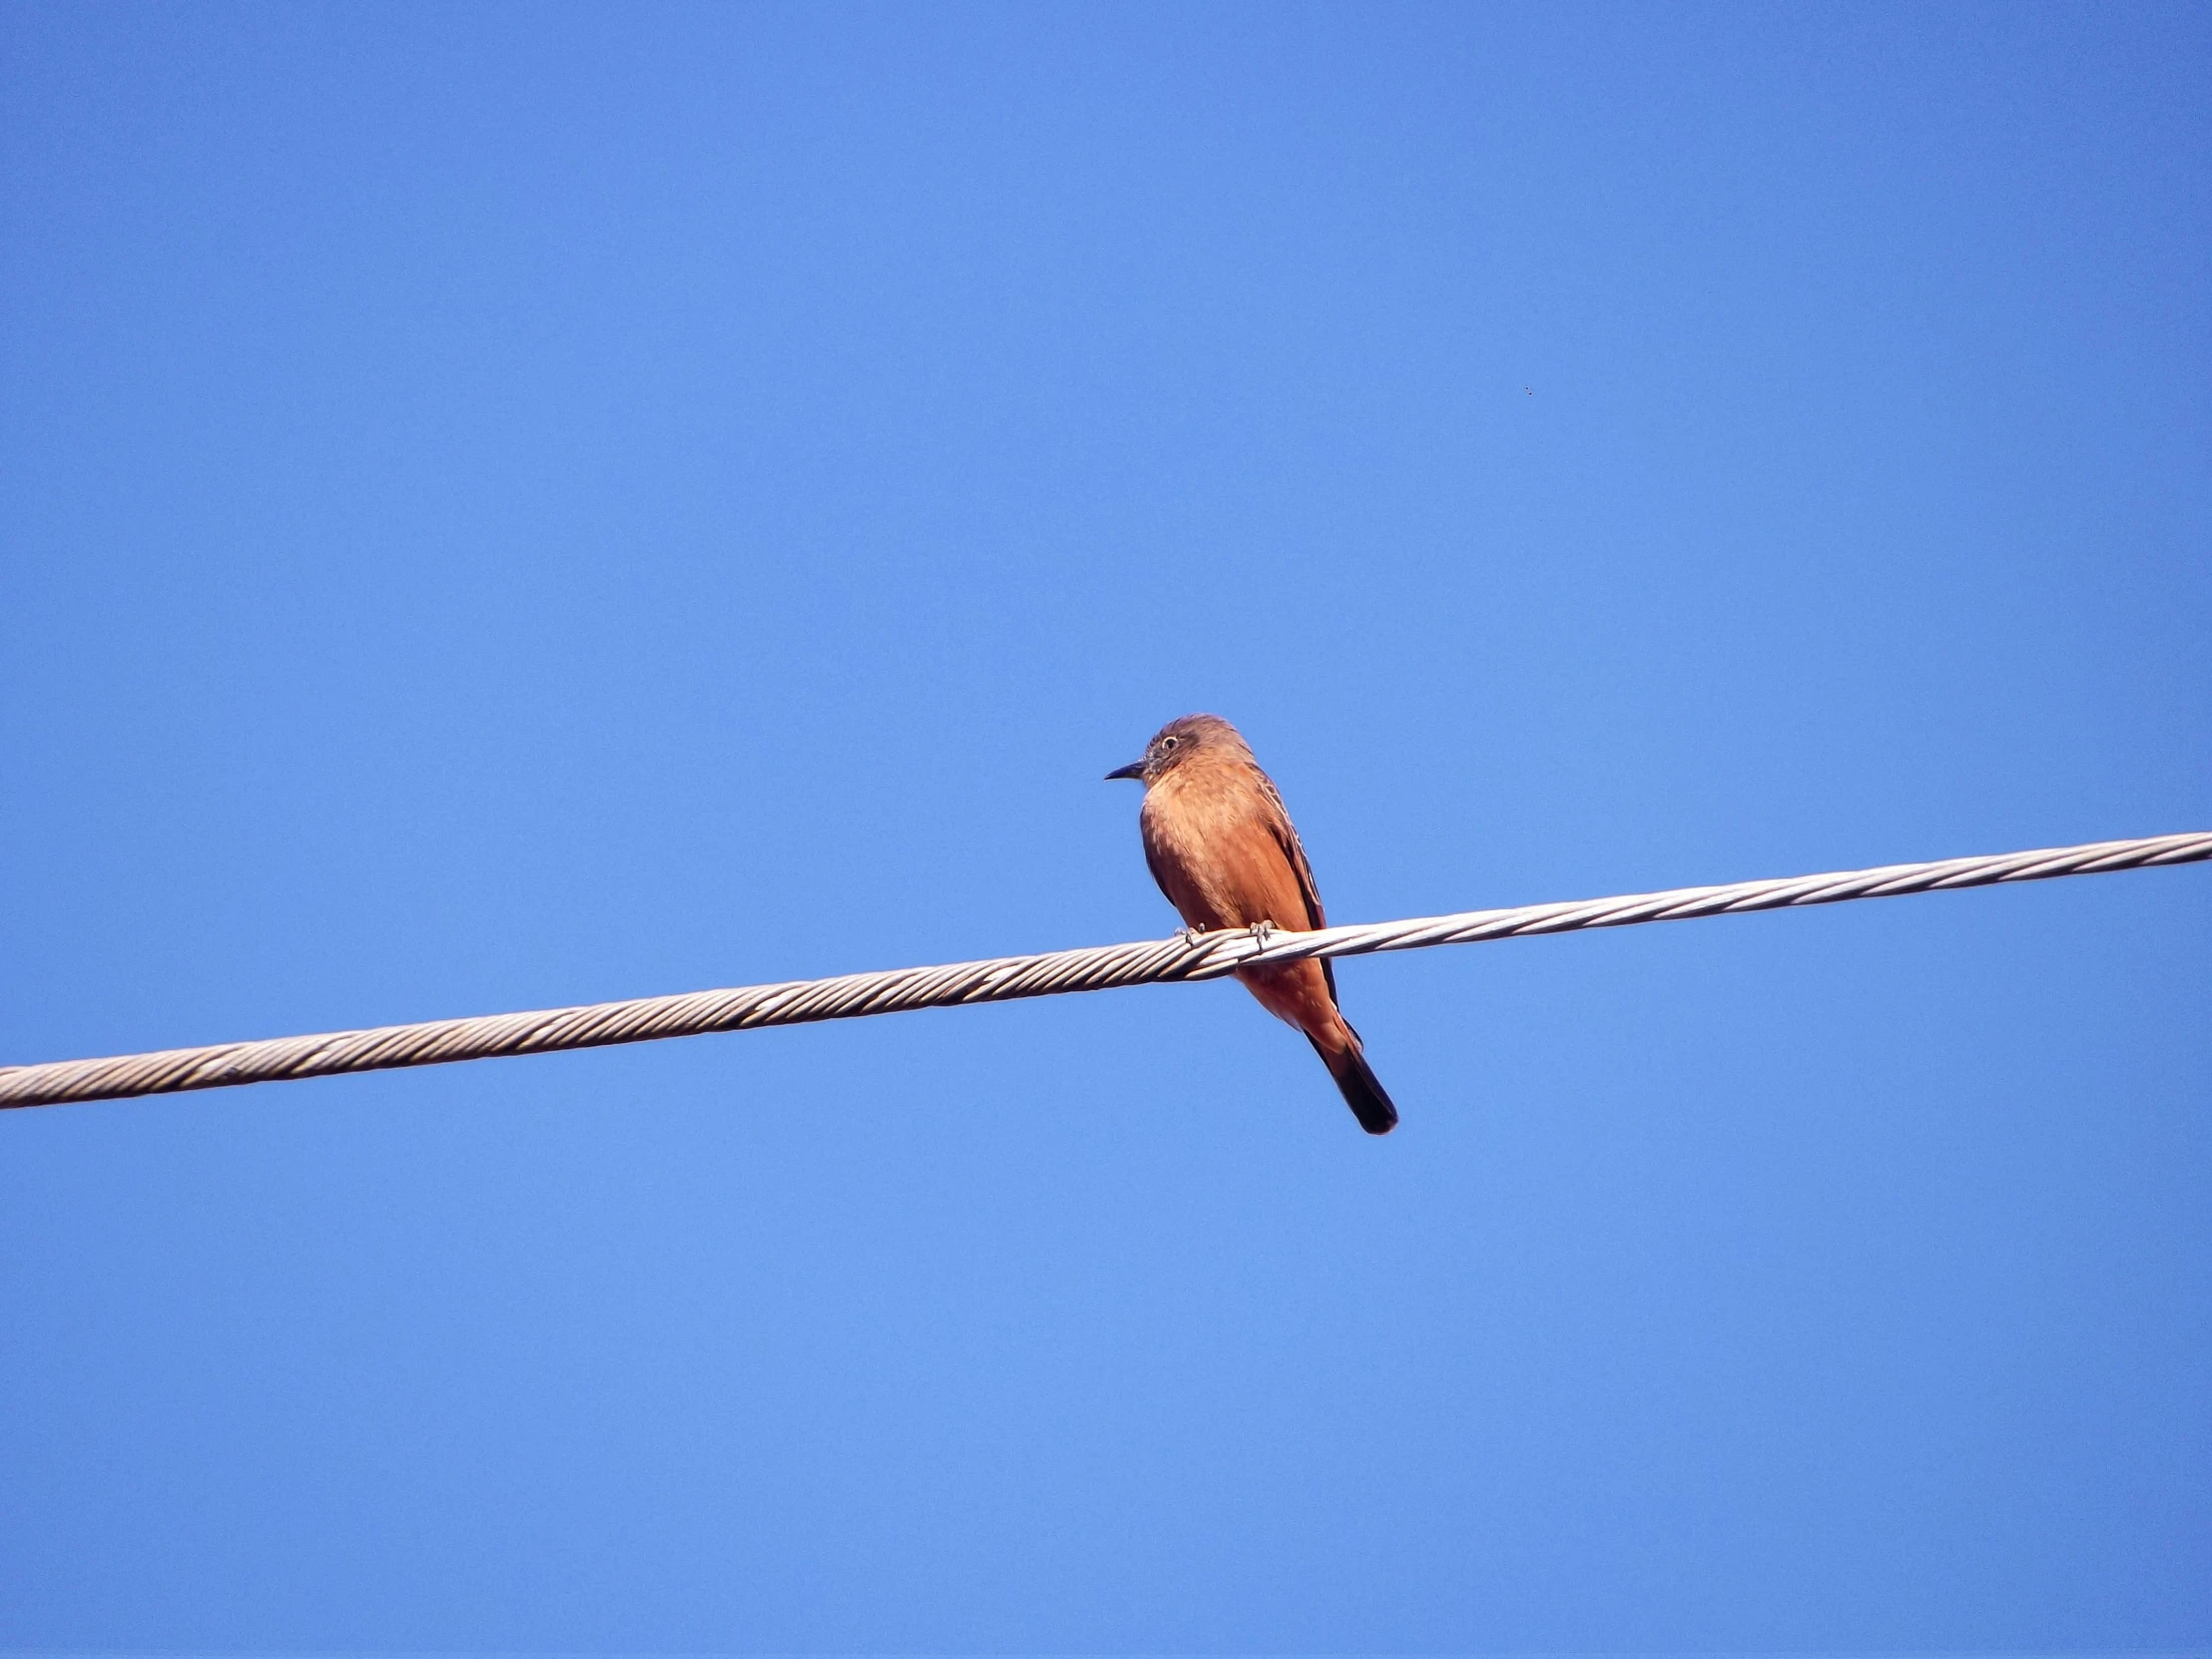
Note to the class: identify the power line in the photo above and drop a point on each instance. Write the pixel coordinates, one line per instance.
(1005, 979)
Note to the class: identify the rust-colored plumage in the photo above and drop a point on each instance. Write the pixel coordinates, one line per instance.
(1223, 849)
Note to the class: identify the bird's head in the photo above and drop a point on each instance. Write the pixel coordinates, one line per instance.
(1176, 742)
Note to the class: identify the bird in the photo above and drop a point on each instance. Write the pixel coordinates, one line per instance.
(1220, 844)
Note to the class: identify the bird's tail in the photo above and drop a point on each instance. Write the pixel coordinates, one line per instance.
(1363, 1090)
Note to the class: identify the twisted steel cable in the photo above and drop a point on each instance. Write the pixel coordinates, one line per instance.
(1005, 979)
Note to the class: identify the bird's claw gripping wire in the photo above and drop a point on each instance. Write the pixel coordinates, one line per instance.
(1193, 938)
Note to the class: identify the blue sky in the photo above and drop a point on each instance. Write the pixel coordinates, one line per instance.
(507, 506)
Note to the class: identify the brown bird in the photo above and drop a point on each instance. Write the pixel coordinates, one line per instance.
(1222, 848)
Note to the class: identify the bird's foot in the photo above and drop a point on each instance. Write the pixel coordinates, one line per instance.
(1192, 938)
(1261, 932)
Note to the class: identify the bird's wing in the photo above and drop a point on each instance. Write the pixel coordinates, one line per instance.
(1285, 835)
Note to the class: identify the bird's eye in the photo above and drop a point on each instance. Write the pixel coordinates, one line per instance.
(1169, 742)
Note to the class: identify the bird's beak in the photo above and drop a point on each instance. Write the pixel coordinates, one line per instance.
(1135, 768)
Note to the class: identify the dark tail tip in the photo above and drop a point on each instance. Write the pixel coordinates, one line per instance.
(1361, 1090)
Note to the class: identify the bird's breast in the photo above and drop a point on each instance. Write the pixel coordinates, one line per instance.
(1209, 842)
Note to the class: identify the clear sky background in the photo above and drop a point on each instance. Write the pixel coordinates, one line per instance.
(516, 505)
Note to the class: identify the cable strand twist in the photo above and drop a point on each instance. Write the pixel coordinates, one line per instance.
(1186, 956)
